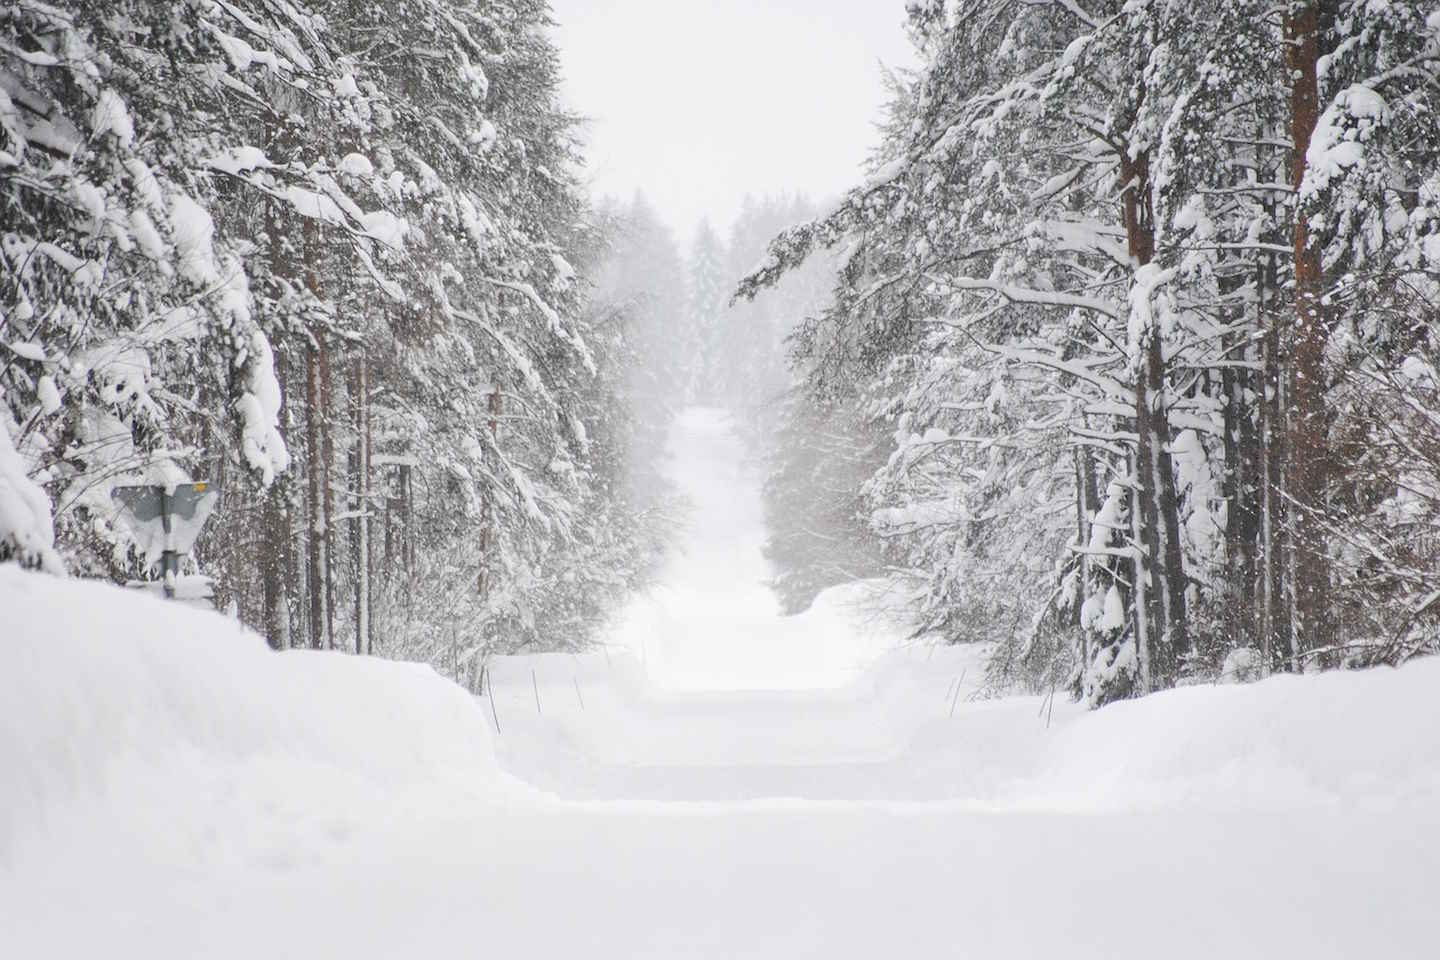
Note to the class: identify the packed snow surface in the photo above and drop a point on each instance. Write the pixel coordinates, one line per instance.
(173, 789)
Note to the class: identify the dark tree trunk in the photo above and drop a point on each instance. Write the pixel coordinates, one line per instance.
(1162, 602)
(1275, 635)
(1308, 463)
(1243, 475)
(360, 504)
(487, 528)
(1241, 489)
(1086, 505)
(327, 490)
(407, 518)
(275, 516)
(317, 511)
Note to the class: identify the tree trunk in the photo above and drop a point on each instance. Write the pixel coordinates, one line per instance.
(1275, 635)
(275, 517)
(314, 512)
(1163, 603)
(317, 474)
(1308, 463)
(390, 499)
(1086, 505)
(327, 488)
(1240, 485)
(1241, 489)
(1141, 594)
(360, 484)
(407, 518)
(487, 528)
(1085, 508)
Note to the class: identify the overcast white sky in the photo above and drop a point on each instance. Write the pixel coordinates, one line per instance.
(698, 102)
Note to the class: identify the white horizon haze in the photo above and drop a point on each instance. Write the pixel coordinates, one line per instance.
(697, 103)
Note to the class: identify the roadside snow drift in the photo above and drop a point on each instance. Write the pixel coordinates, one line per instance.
(914, 728)
(1363, 740)
(120, 712)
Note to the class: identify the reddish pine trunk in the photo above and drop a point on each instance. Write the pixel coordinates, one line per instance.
(1308, 461)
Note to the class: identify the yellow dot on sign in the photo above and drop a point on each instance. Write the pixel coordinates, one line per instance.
(200, 487)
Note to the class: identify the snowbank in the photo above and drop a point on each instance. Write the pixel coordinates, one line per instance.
(915, 729)
(122, 716)
(1357, 740)
(1368, 739)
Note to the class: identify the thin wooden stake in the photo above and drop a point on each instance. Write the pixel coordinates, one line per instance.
(956, 699)
(490, 674)
(536, 687)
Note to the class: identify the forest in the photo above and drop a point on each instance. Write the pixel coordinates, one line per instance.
(1119, 356)
(327, 258)
(1142, 296)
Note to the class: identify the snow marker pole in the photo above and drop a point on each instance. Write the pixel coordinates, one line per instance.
(490, 674)
(956, 698)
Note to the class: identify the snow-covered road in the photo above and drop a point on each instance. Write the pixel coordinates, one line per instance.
(200, 797)
(712, 622)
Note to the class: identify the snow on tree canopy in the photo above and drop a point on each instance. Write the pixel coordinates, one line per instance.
(111, 116)
(239, 160)
(1338, 143)
(259, 408)
(357, 165)
(386, 227)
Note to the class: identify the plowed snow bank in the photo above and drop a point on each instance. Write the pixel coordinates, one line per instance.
(119, 711)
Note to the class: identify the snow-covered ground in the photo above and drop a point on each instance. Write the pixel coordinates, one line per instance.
(169, 788)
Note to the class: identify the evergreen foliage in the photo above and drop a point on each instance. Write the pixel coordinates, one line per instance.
(327, 255)
(1145, 291)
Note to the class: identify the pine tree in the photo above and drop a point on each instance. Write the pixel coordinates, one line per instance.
(1139, 374)
(707, 290)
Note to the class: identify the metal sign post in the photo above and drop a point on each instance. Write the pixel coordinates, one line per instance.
(166, 522)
